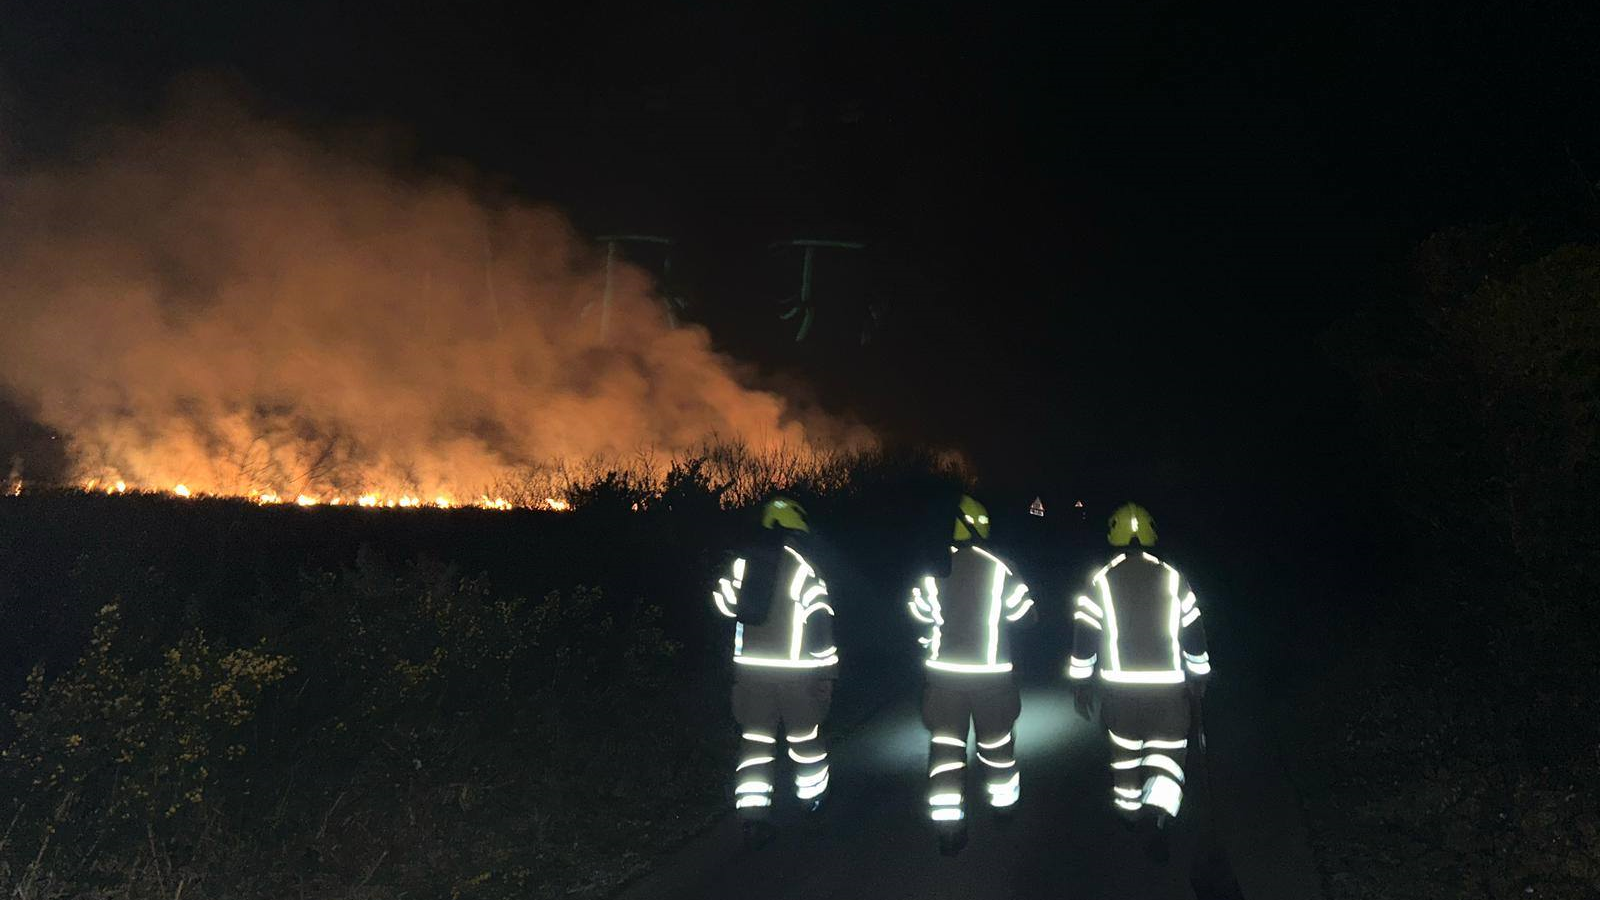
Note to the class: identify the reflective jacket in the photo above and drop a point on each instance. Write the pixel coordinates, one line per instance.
(966, 612)
(798, 631)
(1139, 624)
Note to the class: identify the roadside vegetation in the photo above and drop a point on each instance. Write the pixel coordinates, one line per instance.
(209, 698)
(1459, 752)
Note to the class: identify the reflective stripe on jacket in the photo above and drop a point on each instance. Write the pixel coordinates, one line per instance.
(1139, 623)
(967, 611)
(798, 632)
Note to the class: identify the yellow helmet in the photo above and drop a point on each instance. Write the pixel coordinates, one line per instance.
(782, 512)
(973, 517)
(1132, 522)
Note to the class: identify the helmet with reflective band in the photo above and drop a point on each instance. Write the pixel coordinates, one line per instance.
(971, 518)
(1131, 522)
(782, 512)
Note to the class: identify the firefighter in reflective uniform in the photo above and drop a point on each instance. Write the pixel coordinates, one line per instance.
(785, 660)
(1138, 626)
(968, 610)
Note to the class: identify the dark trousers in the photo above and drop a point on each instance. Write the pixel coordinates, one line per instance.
(763, 702)
(990, 702)
(1148, 726)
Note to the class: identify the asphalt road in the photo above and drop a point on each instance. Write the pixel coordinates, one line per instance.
(872, 841)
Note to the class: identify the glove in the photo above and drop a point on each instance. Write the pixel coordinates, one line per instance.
(1083, 701)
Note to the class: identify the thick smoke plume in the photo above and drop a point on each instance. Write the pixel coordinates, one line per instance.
(223, 303)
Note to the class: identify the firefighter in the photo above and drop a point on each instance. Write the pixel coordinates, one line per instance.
(967, 608)
(785, 663)
(1138, 625)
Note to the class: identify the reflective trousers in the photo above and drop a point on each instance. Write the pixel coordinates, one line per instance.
(764, 701)
(991, 703)
(1149, 730)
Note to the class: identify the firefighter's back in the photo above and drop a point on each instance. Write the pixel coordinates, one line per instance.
(1142, 614)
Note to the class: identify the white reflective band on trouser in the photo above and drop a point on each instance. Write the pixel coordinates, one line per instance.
(1164, 793)
(1130, 793)
(753, 800)
(753, 787)
(945, 767)
(1167, 745)
(753, 761)
(1154, 761)
(1092, 607)
(1127, 743)
(1199, 668)
(809, 786)
(949, 741)
(779, 663)
(995, 765)
(798, 738)
(807, 760)
(813, 779)
(1087, 619)
(1156, 676)
(756, 736)
(945, 800)
(946, 814)
(1165, 762)
(1190, 616)
(1129, 805)
(997, 742)
(1005, 794)
(943, 666)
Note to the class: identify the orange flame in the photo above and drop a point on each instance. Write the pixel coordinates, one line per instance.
(369, 500)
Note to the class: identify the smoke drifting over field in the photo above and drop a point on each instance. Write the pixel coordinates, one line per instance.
(221, 302)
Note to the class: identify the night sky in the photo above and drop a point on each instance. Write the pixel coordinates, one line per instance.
(1107, 235)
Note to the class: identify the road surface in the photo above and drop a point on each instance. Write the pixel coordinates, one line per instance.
(872, 840)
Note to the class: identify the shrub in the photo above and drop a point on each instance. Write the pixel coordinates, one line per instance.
(112, 764)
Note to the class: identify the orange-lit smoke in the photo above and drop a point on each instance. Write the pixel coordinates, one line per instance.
(222, 303)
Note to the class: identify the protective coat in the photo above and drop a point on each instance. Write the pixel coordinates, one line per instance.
(785, 662)
(1139, 628)
(968, 613)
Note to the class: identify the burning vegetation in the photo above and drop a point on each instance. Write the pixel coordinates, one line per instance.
(220, 306)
